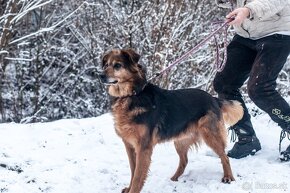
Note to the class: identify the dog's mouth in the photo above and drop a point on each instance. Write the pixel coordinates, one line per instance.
(111, 82)
(107, 80)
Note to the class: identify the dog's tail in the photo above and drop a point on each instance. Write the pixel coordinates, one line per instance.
(232, 111)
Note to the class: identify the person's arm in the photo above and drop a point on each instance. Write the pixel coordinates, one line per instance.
(257, 10)
(263, 9)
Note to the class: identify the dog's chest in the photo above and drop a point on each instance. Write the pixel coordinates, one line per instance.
(124, 118)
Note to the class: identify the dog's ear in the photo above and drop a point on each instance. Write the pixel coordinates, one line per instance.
(104, 59)
(132, 55)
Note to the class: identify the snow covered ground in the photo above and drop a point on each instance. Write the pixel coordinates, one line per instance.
(86, 156)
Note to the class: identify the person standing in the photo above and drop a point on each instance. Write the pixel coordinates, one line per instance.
(257, 53)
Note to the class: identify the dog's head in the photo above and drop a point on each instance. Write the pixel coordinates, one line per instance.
(122, 73)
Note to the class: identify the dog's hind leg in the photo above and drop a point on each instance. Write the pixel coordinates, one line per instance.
(182, 146)
(182, 149)
(215, 139)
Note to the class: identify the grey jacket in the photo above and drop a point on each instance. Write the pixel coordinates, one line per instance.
(267, 17)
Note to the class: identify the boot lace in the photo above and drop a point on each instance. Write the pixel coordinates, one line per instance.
(284, 133)
(233, 134)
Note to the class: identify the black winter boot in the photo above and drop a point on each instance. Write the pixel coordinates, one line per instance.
(248, 143)
(284, 155)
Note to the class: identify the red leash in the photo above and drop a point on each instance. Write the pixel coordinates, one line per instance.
(193, 50)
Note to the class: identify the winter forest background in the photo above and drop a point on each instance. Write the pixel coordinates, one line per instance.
(47, 45)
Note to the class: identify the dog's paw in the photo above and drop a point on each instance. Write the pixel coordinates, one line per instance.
(126, 190)
(227, 179)
(174, 178)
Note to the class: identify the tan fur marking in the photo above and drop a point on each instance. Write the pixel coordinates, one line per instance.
(121, 90)
(137, 111)
(125, 128)
(232, 112)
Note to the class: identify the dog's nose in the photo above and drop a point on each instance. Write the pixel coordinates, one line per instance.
(102, 77)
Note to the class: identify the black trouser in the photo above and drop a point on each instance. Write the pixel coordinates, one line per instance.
(261, 61)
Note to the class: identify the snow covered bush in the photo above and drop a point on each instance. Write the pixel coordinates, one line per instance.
(47, 45)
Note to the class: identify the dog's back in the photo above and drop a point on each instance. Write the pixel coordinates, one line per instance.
(171, 111)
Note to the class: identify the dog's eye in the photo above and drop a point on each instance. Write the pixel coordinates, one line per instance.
(117, 66)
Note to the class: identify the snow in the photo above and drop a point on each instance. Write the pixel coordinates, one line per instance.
(86, 156)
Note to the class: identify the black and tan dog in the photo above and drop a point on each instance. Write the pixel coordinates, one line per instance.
(145, 115)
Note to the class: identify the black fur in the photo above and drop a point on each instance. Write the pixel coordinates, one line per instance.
(172, 110)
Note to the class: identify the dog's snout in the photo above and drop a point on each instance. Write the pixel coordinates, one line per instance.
(102, 77)
(105, 79)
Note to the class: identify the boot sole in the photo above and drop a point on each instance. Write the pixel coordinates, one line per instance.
(253, 152)
(284, 157)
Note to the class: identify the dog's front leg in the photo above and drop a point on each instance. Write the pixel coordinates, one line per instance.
(143, 160)
(132, 161)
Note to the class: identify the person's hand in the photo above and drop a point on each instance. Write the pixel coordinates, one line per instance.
(239, 15)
